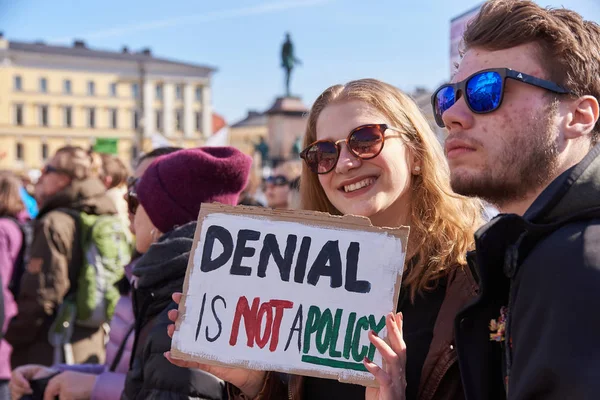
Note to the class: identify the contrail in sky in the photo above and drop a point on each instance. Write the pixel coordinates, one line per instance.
(210, 16)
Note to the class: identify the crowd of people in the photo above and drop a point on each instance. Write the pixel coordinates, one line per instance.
(487, 310)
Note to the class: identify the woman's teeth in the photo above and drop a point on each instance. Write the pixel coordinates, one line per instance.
(359, 185)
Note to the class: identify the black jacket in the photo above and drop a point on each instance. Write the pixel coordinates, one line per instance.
(545, 267)
(161, 272)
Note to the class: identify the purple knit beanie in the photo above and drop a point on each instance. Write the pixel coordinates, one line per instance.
(175, 184)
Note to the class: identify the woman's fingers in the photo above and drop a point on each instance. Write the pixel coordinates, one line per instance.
(394, 328)
(173, 315)
(176, 297)
(380, 375)
(384, 349)
(394, 353)
(182, 363)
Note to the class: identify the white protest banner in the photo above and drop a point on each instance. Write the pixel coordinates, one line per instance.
(289, 291)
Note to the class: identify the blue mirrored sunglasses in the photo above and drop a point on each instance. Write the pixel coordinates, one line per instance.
(484, 91)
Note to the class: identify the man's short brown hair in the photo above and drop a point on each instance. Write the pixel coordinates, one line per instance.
(569, 46)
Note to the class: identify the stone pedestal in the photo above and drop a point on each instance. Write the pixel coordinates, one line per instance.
(286, 122)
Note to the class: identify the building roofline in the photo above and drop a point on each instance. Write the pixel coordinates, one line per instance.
(81, 50)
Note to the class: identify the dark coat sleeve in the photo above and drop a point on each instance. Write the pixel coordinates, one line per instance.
(556, 318)
(152, 376)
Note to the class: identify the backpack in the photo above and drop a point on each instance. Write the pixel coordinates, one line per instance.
(106, 248)
(26, 228)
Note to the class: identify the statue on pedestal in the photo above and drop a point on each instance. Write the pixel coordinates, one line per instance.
(263, 148)
(288, 61)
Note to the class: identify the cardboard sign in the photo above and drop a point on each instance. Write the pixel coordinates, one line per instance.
(288, 291)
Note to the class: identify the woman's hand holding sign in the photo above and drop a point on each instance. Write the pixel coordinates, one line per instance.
(248, 381)
(391, 378)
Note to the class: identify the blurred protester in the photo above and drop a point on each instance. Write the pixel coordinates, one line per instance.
(11, 243)
(277, 186)
(56, 256)
(170, 193)
(114, 175)
(97, 381)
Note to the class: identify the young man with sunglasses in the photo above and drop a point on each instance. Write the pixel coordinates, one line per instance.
(522, 119)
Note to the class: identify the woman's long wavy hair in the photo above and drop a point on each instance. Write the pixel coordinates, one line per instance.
(442, 222)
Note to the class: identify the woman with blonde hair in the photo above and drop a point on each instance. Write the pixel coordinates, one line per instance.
(369, 151)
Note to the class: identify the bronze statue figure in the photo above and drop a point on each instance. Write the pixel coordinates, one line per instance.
(288, 61)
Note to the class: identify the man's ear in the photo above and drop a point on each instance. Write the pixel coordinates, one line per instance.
(582, 117)
(65, 180)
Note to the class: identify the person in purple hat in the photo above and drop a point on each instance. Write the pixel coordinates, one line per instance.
(170, 193)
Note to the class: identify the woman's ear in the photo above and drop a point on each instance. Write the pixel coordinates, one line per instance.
(156, 234)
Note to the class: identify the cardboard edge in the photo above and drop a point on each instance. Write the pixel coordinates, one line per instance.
(317, 218)
(186, 282)
(178, 355)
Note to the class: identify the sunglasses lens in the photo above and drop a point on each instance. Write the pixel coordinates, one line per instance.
(484, 91)
(278, 180)
(366, 142)
(321, 157)
(444, 99)
(132, 202)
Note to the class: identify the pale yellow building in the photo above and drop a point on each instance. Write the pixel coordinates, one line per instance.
(247, 133)
(51, 96)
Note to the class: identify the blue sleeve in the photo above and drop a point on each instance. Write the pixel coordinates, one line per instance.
(29, 202)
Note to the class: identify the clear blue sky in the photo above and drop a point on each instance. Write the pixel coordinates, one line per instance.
(403, 42)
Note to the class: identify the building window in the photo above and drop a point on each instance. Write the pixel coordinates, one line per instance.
(179, 92)
(18, 83)
(19, 114)
(198, 93)
(135, 90)
(159, 91)
(113, 118)
(159, 116)
(43, 115)
(135, 119)
(91, 117)
(179, 119)
(43, 85)
(91, 88)
(19, 151)
(68, 117)
(44, 151)
(198, 121)
(67, 86)
(113, 90)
